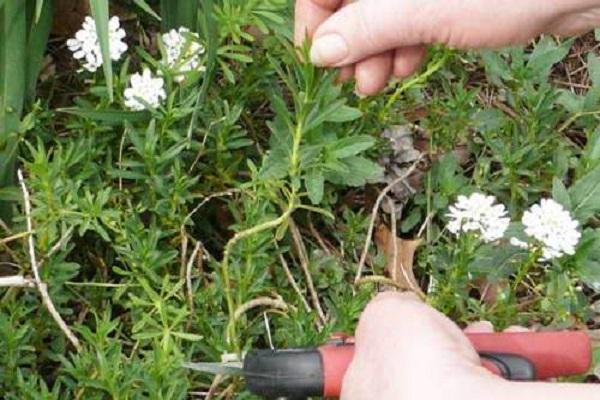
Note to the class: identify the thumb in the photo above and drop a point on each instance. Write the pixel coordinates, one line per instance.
(365, 28)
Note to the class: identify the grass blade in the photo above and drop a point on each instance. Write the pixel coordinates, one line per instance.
(39, 4)
(144, 6)
(176, 13)
(13, 33)
(99, 10)
(36, 45)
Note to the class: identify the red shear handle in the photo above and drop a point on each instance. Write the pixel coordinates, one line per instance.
(553, 354)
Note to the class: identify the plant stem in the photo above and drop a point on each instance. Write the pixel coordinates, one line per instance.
(231, 336)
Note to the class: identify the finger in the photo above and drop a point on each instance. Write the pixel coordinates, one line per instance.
(308, 16)
(408, 59)
(480, 327)
(373, 74)
(363, 29)
(345, 73)
(517, 329)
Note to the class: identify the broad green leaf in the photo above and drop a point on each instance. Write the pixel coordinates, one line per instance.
(592, 148)
(358, 172)
(545, 54)
(345, 114)
(573, 102)
(495, 262)
(351, 146)
(587, 258)
(315, 183)
(560, 194)
(585, 195)
(496, 68)
(99, 11)
(593, 64)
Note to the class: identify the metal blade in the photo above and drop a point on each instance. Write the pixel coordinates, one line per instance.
(216, 368)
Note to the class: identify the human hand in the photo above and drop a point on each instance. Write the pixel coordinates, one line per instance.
(376, 39)
(405, 349)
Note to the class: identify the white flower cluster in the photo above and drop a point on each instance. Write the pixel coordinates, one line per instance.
(144, 91)
(547, 224)
(183, 51)
(551, 227)
(85, 46)
(479, 214)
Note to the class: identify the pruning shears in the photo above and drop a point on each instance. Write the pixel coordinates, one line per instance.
(319, 371)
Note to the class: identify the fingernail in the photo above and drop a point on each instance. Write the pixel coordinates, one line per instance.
(328, 50)
(359, 94)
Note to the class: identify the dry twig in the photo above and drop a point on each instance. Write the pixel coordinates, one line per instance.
(41, 286)
(16, 281)
(188, 276)
(258, 302)
(293, 282)
(384, 192)
(304, 263)
(14, 237)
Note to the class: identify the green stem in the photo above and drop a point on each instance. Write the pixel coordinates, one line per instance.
(432, 68)
(231, 333)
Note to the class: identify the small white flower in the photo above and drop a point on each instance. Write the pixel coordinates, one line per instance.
(86, 47)
(479, 214)
(183, 52)
(553, 227)
(146, 88)
(519, 243)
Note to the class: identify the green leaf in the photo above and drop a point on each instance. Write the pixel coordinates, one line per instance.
(587, 258)
(315, 183)
(585, 195)
(351, 146)
(345, 114)
(38, 9)
(176, 13)
(593, 64)
(592, 147)
(545, 54)
(144, 6)
(495, 262)
(99, 11)
(358, 171)
(560, 194)
(13, 64)
(113, 117)
(36, 45)
(188, 336)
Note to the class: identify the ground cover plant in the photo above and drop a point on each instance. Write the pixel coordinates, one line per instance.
(189, 188)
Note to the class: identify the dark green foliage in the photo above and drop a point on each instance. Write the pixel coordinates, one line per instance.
(258, 163)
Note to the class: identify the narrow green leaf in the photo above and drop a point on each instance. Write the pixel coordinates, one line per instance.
(39, 4)
(352, 146)
(560, 194)
(315, 183)
(114, 117)
(188, 336)
(13, 45)
(144, 6)
(99, 10)
(36, 45)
